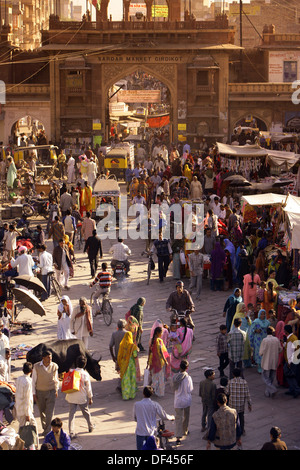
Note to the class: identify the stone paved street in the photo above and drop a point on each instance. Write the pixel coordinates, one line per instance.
(114, 426)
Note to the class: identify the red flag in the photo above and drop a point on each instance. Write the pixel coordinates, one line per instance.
(159, 121)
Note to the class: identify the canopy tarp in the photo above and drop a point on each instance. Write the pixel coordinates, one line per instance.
(242, 150)
(278, 158)
(267, 199)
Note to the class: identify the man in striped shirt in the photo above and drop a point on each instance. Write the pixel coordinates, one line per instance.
(239, 395)
(103, 281)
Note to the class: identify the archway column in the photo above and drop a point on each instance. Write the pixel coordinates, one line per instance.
(149, 4)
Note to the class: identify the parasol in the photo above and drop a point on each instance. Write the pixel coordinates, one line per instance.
(29, 300)
(279, 183)
(31, 282)
(237, 180)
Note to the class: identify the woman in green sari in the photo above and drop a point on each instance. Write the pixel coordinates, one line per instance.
(127, 358)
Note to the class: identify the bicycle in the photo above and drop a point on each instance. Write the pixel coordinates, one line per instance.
(54, 284)
(150, 266)
(106, 308)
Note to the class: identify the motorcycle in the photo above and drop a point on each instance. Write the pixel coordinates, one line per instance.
(176, 317)
(35, 206)
(119, 271)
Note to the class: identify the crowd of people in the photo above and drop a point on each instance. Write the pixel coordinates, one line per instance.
(234, 257)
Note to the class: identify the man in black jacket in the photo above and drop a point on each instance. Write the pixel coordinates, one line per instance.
(93, 247)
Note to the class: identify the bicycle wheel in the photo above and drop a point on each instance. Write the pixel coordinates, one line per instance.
(93, 304)
(56, 288)
(107, 311)
(27, 210)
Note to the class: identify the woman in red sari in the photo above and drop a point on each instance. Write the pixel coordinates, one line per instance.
(158, 362)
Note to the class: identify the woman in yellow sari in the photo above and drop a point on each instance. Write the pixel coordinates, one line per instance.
(127, 359)
(134, 186)
(86, 197)
(188, 172)
(158, 362)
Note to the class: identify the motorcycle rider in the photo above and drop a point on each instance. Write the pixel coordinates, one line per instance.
(120, 252)
(180, 300)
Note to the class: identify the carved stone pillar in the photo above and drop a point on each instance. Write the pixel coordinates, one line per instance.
(126, 4)
(101, 15)
(149, 9)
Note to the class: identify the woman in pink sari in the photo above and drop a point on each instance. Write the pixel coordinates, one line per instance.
(251, 281)
(165, 332)
(181, 350)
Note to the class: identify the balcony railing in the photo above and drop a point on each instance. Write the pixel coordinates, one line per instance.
(30, 89)
(260, 88)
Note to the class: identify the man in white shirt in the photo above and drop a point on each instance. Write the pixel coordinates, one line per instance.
(24, 397)
(71, 170)
(5, 365)
(149, 165)
(183, 386)
(46, 266)
(145, 413)
(215, 206)
(4, 341)
(91, 171)
(66, 202)
(24, 262)
(10, 241)
(82, 398)
(120, 252)
(269, 350)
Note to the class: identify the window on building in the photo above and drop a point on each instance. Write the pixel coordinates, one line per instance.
(202, 78)
(289, 71)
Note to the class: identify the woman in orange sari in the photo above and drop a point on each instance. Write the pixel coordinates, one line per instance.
(158, 362)
(270, 299)
(127, 362)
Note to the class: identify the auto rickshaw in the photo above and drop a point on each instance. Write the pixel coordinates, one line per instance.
(118, 158)
(106, 191)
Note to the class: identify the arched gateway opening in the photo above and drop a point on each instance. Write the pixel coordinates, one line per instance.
(26, 130)
(140, 107)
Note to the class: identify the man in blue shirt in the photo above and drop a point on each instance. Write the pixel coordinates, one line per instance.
(163, 250)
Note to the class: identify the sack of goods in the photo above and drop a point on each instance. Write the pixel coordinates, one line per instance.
(71, 382)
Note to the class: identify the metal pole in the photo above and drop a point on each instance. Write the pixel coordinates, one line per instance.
(241, 39)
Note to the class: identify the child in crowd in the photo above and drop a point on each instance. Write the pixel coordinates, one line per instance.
(272, 318)
(222, 349)
(260, 294)
(173, 337)
(251, 312)
(207, 392)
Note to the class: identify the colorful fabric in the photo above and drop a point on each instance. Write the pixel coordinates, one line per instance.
(181, 351)
(126, 349)
(257, 332)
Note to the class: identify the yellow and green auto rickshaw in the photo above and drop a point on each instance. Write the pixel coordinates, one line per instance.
(118, 158)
